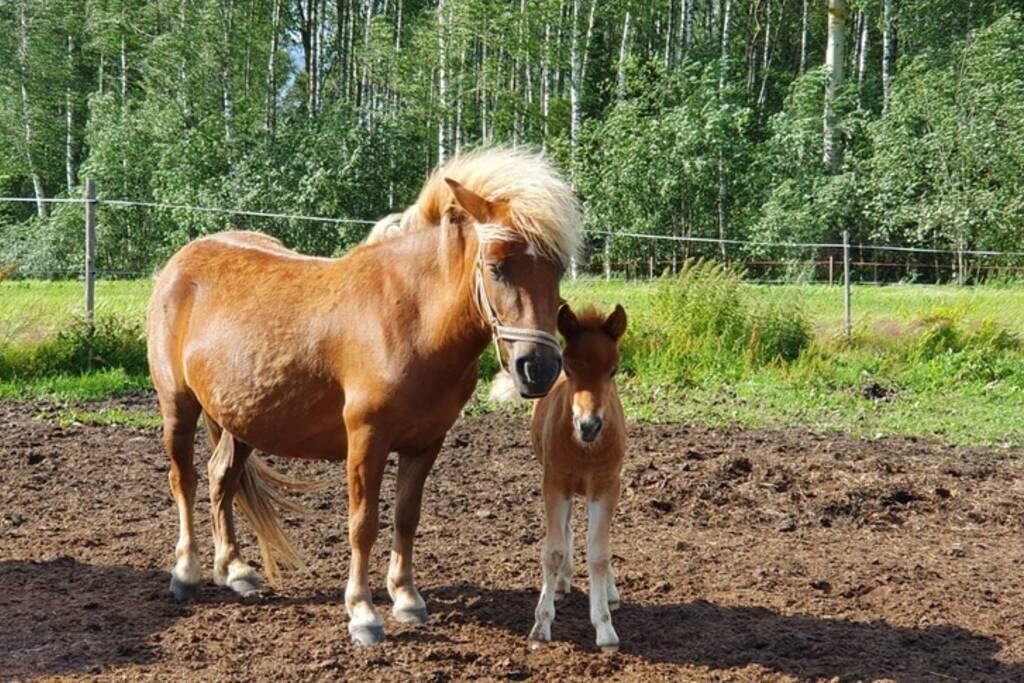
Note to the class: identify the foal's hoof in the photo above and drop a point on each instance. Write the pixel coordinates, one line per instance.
(245, 585)
(182, 591)
(538, 644)
(612, 606)
(610, 649)
(366, 635)
(562, 594)
(414, 616)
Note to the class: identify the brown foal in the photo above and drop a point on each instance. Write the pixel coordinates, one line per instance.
(350, 359)
(579, 434)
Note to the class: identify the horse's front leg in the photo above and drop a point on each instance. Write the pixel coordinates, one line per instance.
(599, 556)
(413, 468)
(367, 457)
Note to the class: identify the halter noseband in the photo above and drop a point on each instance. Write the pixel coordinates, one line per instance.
(501, 332)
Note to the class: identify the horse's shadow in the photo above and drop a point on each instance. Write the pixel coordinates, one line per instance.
(65, 617)
(721, 637)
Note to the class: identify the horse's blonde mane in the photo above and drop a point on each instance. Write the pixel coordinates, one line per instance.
(542, 207)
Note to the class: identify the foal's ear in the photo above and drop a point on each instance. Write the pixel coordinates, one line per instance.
(478, 207)
(568, 323)
(615, 324)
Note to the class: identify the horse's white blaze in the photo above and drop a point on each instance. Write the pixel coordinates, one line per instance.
(599, 566)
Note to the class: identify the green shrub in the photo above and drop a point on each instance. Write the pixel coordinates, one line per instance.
(705, 324)
(112, 343)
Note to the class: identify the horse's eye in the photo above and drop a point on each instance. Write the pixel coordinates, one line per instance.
(497, 272)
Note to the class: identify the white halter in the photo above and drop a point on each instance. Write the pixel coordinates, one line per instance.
(501, 332)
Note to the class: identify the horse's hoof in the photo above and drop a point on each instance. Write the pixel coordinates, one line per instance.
(366, 635)
(538, 644)
(245, 585)
(182, 591)
(414, 616)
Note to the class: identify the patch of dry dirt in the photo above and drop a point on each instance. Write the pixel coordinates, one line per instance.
(742, 555)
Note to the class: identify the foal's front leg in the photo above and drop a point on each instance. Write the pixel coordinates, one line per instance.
(413, 468)
(556, 507)
(599, 556)
(367, 457)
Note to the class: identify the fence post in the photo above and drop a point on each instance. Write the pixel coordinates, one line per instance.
(607, 260)
(650, 267)
(846, 282)
(90, 252)
(831, 269)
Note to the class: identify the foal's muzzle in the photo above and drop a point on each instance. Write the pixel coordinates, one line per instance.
(588, 428)
(534, 373)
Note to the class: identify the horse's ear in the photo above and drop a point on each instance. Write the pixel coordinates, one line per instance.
(568, 323)
(478, 207)
(615, 324)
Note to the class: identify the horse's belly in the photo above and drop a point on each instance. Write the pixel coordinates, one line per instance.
(281, 410)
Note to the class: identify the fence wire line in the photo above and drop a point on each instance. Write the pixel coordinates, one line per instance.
(804, 245)
(187, 207)
(607, 233)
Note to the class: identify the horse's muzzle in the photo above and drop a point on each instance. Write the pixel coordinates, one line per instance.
(535, 373)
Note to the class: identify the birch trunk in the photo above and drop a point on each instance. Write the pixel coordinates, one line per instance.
(888, 53)
(766, 60)
(26, 111)
(227, 100)
(723, 76)
(862, 62)
(272, 67)
(803, 41)
(442, 84)
(623, 55)
(69, 122)
(834, 63)
(545, 82)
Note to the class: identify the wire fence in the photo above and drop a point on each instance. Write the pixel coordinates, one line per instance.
(621, 255)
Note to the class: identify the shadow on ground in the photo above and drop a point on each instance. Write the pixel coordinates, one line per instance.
(63, 617)
(720, 637)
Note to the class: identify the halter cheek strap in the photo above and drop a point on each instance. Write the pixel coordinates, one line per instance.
(505, 333)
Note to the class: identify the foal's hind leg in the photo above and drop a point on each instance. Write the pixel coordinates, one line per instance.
(180, 414)
(413, 468)
(225, 470)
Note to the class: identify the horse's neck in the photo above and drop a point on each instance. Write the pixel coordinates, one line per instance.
(444, 261)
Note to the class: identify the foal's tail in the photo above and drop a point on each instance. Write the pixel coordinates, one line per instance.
(503, 389)
(261, 495)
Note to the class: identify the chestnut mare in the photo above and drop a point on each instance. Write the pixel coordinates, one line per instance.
(579, 434)
(352, 358)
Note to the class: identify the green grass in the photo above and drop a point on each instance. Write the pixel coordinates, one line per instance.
(938, 362)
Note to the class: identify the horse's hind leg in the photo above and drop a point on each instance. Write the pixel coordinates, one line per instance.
(225, 469)
(413, 468)
(180, 414)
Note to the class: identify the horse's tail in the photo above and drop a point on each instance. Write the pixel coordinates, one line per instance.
(261, 495)
(503, 388)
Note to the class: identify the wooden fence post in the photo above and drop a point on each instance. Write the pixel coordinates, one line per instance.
(90, 252)
(607, 260)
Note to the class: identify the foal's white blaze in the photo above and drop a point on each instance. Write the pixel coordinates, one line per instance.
(599, 565)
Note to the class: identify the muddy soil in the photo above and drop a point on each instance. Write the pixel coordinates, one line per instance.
(741, 555)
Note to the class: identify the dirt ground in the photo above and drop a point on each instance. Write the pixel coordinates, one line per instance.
(741, 555)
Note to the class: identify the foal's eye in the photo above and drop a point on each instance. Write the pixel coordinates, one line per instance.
(497, 272)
